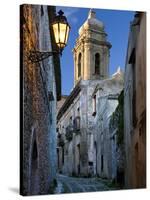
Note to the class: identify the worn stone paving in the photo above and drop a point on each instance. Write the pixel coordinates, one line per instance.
(68, 184)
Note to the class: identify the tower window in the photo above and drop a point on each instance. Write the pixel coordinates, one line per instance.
(79, 65)
(97, 63)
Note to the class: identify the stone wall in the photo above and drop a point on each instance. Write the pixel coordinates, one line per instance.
(135, 104)
(38, 137)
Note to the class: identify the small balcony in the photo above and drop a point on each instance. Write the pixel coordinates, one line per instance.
(69, 132)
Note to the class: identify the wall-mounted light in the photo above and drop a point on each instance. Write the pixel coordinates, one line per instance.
(61, 31)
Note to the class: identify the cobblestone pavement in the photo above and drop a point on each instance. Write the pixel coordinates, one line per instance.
(68, 184)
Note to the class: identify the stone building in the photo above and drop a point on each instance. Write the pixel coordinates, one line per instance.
(135, 104)
(104, 145)
(41, 90)
(93, 97)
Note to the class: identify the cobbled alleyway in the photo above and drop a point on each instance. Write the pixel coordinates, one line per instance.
(68, 184)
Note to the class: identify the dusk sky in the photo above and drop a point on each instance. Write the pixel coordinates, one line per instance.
(116, 26)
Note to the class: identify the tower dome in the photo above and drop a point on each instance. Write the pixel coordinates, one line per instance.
(91, 23)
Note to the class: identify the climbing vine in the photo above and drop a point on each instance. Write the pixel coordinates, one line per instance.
(117, 119)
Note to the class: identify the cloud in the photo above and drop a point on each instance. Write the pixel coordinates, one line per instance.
(74, 20)
(68, 11)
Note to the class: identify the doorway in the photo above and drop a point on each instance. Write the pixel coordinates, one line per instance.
(34, 168)
(78, 159)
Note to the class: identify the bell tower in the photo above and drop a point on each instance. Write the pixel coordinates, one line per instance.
(91, 51)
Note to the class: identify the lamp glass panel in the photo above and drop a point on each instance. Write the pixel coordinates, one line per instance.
(56, 33)
(62, 33)
(67, 33)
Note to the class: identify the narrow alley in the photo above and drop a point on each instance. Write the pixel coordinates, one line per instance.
(83, 117)
(68, 184)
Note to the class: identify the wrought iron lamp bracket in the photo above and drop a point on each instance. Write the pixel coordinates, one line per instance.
(37, 56)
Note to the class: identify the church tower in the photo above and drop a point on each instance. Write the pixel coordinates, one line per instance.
(91, 51)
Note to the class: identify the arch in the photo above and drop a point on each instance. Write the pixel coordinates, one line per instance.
(97, 63)
(79, 64)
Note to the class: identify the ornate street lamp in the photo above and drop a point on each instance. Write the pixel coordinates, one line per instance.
(61, 31)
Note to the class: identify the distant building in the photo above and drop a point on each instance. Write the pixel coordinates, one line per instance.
(41, 90)
(135, 104)
(61, 102)
(105, 145)
(81, 149)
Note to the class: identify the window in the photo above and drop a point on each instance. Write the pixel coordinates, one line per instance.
(58, 158)
(90, 164)
(97, 63)
(94, 105)
(78, 110)
(70, 120)
(78, 123)
(79, 65)
(78, 119)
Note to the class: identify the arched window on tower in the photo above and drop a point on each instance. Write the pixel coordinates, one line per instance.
(79, 65)
(97, 63)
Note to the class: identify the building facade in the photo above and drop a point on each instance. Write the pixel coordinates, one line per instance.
(85, 114)
(105, 139)
(135, 104)
(41, 90)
